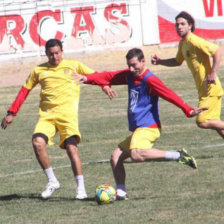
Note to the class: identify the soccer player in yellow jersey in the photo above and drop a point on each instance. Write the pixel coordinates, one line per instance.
(58, 112)
(197, 52)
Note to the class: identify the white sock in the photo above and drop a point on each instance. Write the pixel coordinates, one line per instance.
(172, 155)
(80, 183)
(50, 175)
(121, 190)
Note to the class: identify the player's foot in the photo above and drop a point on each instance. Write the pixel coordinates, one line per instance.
(81, 195)
(186, 159)
(120, 198)
(49, 189)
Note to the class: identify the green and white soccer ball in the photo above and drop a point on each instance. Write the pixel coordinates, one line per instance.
(105, 194)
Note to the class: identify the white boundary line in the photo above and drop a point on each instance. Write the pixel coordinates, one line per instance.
(59, 167)
(85, 163)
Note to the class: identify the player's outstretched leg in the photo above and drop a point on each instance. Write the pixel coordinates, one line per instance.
(186, 159)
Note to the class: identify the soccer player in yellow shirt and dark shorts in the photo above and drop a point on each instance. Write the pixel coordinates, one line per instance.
(58, 112)
(196, 51)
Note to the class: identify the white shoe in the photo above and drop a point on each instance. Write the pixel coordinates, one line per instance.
(49, 189)
(81, 195)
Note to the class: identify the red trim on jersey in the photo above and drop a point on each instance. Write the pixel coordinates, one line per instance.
(154, 84)
(21, 96)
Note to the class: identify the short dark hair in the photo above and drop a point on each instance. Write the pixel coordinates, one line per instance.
(188, 17)
(135, 52)
(53, 43)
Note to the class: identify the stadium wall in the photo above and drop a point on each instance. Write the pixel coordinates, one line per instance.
(89, 25)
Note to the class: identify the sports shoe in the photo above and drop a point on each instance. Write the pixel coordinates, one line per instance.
(186, 159)
(120, 198)
(49, 189)
(81, 195)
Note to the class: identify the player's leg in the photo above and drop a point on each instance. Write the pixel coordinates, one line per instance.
(141, 150)
(217, 125)
(40, 141)
(117, 163)
(210, 119)
(43, 133)
(67, 125)
(147, 155)
(73, 154)
(39, 145)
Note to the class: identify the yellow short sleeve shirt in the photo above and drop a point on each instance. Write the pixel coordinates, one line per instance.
(197, 52)
(58, 89)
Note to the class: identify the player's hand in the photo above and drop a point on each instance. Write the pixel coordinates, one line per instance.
(79, 79)
(110, 92)
(211, 78)
(197, 111)
(7, 120)
(155, 59)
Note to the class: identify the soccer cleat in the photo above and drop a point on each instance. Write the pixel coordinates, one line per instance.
(49, 189)
(121, 198)
(81, 195)
(186, 159)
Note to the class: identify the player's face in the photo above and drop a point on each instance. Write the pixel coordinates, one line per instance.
(183, 28)
(136, 67)
(54, 55)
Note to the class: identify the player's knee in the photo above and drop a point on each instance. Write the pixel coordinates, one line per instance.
(72, 151)
(136, 155)
(115, 156)
(39, 145)
(202, 125)
(38, 142)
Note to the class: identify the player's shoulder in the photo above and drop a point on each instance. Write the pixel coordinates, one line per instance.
(71, 62)
(41, 67)
(195, 39)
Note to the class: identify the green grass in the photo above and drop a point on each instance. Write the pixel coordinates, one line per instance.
(160, 193)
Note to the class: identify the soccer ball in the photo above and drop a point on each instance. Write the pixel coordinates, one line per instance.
(105, 194)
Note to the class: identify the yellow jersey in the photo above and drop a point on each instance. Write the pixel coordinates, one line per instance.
(196, 52)
(59, 92)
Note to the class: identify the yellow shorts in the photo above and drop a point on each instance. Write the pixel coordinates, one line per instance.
(213, 113)
(141, 138)
(50, 123)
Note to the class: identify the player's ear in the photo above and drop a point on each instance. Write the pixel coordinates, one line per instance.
(143, 60)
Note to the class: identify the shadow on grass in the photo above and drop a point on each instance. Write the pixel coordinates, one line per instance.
(11, 197)
(38, 197)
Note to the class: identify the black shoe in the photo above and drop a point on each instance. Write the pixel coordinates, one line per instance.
(186, 159)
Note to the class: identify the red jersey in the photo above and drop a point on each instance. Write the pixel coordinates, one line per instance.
(154, 84)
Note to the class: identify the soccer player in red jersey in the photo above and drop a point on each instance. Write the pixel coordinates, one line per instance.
(144, 89)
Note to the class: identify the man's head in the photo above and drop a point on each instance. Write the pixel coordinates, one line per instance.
(136, 61)
(184, 24)
(54, 51)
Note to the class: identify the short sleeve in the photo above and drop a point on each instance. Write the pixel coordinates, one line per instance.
(31, 81)
(207, 47)
(83, 69)
(179, 56)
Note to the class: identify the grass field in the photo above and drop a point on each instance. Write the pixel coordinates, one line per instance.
(159, 192)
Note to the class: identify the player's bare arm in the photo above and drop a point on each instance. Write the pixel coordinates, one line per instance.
(110, 92)
(79, 79)
(170, 62)
(211, 78)
(7, 120)
(197, 111)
